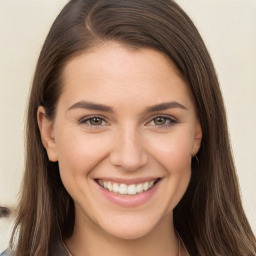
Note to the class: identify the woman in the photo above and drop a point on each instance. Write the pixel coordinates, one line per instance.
(127, 142)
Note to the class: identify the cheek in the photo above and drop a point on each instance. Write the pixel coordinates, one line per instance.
(173, 153)
(79, 153)
(173, 150)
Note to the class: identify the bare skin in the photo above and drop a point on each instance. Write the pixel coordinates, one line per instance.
(124, 116)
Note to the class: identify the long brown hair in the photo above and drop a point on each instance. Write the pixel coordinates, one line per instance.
(210, 217)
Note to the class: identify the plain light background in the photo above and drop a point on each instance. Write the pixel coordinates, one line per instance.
(228, 28)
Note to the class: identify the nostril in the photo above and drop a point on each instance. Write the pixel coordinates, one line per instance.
(4, 212)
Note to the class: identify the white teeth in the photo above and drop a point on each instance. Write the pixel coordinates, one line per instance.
(132, 190)
(109, 186)
(124, 189)
(145, 186)
(139, 188)
(115, 188)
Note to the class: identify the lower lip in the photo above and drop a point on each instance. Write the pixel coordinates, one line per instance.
(129, 200)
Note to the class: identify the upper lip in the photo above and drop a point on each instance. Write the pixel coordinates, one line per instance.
(128, 181)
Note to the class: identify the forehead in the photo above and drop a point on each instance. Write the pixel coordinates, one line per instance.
(110, 55)
(113, 70)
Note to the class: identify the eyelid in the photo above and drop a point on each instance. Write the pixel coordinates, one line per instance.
(172, 119)
(84, 119)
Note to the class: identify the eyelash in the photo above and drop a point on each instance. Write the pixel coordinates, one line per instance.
(169, 121)
(87, 121)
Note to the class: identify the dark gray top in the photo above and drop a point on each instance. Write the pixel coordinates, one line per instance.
(58, 250)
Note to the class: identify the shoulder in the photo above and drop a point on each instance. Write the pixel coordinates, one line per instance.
(57, 249)
(7, 253)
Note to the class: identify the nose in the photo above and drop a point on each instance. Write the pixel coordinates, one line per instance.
(128, 151)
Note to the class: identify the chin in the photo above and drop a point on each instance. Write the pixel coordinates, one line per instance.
(130, 232)
(134, 227)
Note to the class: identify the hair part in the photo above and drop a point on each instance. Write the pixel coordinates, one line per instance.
(211, 207)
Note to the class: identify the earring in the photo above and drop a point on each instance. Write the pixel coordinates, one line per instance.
(195, 156)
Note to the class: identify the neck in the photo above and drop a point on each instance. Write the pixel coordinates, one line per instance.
(90, 240)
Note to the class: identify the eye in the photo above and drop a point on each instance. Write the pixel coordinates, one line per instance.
(162, 121)
(93, 121)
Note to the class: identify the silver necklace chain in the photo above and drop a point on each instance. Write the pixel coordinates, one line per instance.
(179, 246)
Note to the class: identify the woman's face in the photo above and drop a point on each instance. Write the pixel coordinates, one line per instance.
(125, 120)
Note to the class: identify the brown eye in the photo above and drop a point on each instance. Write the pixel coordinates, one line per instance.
(160, 120)
(95, 121)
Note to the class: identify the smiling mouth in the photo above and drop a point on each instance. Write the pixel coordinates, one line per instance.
(125, 189)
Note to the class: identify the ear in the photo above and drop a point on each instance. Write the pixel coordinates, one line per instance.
(197, 139)
(46, 128)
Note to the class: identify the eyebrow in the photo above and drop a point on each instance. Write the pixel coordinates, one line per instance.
(165, 106)
(91, 106)
(101, 107)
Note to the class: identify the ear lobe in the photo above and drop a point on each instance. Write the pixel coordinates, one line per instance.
(197, 139)
(47, 134)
